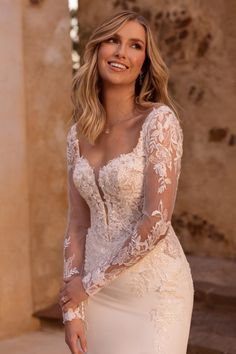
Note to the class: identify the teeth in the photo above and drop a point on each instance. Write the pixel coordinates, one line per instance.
(118, 65)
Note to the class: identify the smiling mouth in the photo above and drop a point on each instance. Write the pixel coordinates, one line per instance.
(117, 65)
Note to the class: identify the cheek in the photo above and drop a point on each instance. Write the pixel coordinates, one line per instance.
(104, 52)
(100, 59)
(138, 61)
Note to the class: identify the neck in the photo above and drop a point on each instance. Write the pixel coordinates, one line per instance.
(118, 102)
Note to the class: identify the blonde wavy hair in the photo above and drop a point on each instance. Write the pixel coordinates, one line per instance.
(88, 110)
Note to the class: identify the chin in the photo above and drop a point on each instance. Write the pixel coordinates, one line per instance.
(113, 81)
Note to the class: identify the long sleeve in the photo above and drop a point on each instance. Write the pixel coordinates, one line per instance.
(78, 221)
(163, 141)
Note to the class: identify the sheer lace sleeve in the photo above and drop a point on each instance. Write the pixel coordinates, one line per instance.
(163, 142)
(78, 221)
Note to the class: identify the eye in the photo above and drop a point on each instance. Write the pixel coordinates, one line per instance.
(136, 46)
(112, 40)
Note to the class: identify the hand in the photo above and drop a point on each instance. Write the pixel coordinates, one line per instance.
(73, 293)
(74, 330)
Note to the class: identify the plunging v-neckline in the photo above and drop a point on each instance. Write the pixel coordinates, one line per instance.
(109, 162)
(97, 175)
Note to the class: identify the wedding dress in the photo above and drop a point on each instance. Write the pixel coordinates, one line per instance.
(120, 239)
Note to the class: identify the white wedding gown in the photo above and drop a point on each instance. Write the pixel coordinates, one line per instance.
(121, 241)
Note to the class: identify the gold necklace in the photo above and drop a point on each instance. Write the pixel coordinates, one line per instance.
(108, 129)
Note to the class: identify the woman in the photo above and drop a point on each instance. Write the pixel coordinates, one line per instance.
(127, 283)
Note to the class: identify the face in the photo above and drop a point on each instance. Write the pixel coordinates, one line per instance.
(121, 56)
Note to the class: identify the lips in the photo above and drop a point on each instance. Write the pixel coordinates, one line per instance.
(118, 62)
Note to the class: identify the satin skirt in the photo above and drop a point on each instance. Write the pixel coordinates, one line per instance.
(146, 310)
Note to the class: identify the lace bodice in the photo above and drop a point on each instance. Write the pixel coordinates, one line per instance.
(118, 218)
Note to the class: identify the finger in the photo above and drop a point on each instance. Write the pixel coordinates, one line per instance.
(61, 293)
(62, 284)
(63, 303)
(59, 302)
(68, 305)
(63, 289)
(68, 279)
(73, 345)
(64, 293)
(61, 296)
(65, 300)
(83, 342)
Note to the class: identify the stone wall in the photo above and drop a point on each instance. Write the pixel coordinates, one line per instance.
(197, 41)
(48, 72)
(16, 302)
(36, 72)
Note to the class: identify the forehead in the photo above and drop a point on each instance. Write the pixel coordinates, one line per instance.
(132, 29)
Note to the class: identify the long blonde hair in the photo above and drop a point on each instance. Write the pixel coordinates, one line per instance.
(88, 110)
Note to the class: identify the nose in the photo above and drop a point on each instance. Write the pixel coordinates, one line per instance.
(120, 50)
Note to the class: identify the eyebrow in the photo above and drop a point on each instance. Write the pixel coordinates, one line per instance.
(131, 39)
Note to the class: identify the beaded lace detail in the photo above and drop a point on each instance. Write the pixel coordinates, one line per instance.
(129, 206)
(78, 222)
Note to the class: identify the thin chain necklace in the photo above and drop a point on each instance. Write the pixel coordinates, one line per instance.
(108, 129)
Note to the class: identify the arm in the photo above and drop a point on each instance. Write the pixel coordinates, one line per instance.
(163, 150)
(78, 221)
